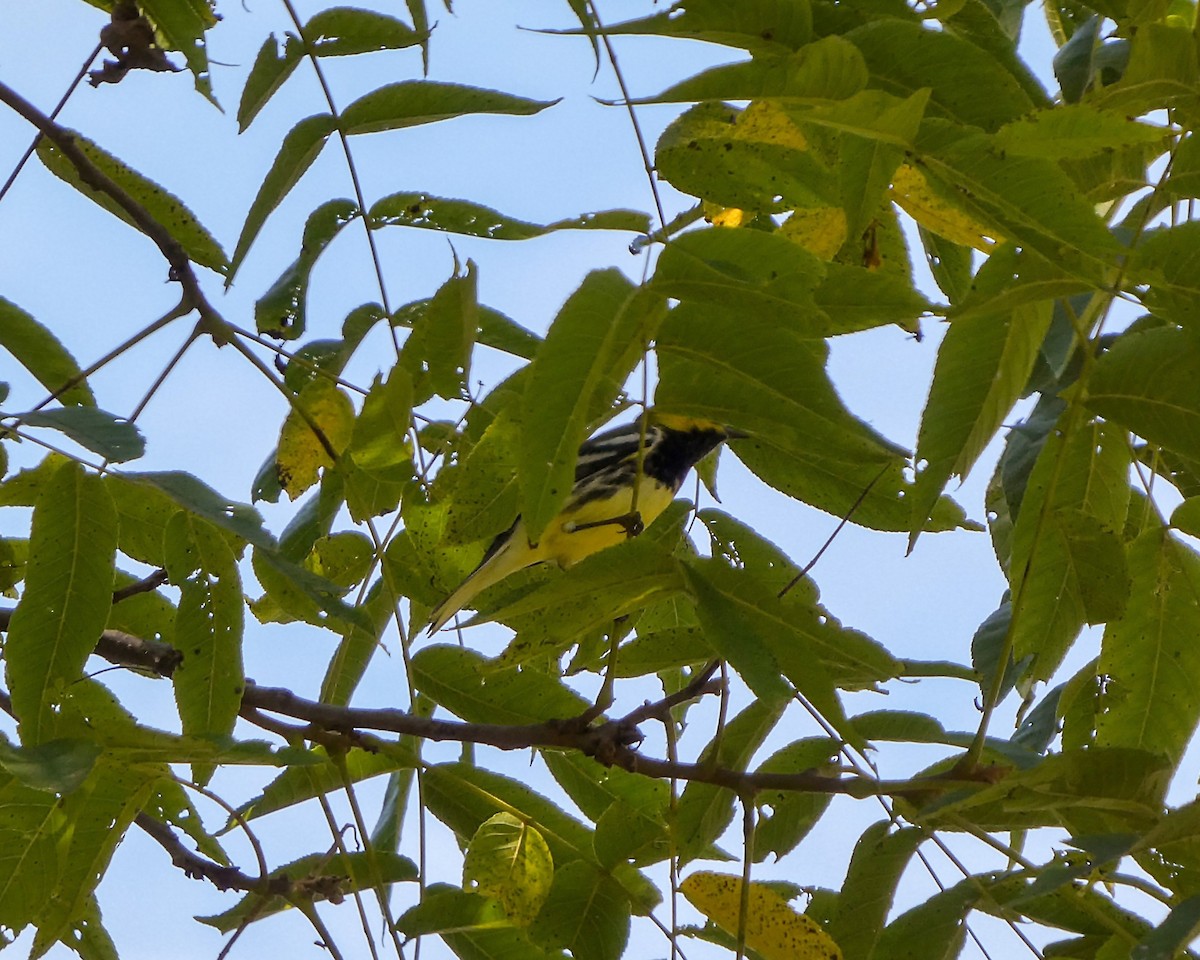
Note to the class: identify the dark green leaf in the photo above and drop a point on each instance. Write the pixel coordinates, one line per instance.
(94, 429)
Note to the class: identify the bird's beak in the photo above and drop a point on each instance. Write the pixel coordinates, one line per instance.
(733, 434)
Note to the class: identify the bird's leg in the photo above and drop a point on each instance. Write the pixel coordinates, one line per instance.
(630, 522)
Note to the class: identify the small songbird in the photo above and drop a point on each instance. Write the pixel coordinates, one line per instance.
(601, 510)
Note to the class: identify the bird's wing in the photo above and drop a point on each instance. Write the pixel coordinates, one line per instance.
(605, 450)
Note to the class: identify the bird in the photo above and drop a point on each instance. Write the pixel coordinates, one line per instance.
(601, 510)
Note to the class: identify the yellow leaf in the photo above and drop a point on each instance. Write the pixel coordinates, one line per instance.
(819, 230)
(302, 453)
(728, 217)
(773, 929)
(911, 191)
(766, 122)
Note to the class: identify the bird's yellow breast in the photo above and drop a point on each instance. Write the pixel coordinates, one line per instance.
(571, 536)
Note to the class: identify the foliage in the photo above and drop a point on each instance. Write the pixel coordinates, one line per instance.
(838, 137)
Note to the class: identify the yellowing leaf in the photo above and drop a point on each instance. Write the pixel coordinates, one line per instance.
(773, 929)
(911, 191)
(302, 453)
(819, 230)
(509, 860)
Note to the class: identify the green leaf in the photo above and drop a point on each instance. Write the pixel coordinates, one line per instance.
(167, 209)
(183, 23)
(757, 159)
(610, 584)
(1067, 563)
(786, 817)
(381, 427)
(591, 347)
(934, 930)
(280, 312)
(763, 26)
(854, 298)
(630, 811)
(486, 496)
(1163, 72)
(208, 629)
(300, 148)
(30, 860)
(451, 321)
(299, 593)
(1073, 131)
(1169, 258)
(508, 859)
(966, 83)
(270, 71)
(982, 368)
(96, 818)
(474, 688)
(349, 662)
(1163, 408)
(586, 912)
(950, 263)
(1028, 200)
(744, 270)
(830, 68)
(872, 878)
(475, 220)
(322, 776)
(1147, 700)
(762, 376)
(343, 31)
(1174, 934)
(412, 102)
(94, 429)
(343, 874)
(68, 593)
(41, 353)
(705, 810)
(57, 766)
(750, 627)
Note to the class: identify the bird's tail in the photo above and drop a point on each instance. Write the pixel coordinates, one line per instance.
(491, 570)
